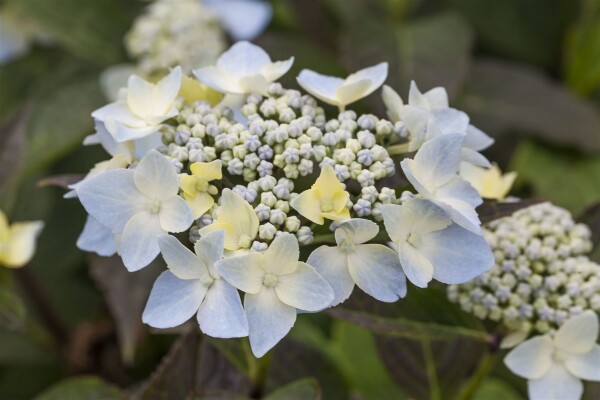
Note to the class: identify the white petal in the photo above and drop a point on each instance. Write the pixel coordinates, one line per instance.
(156, 177)
(376, 270)
(255, 83)
(578, 334)
(438, 160)
(425, 216)
(221, 313)
(473, 157)
(269, 320)
(393, 103)
(118, 111)
(243, 272)
(243, 19)
(181, 262)
(97, 238)
(450, 120)
(217, 79)
(532, 359)
(585, 366)
(276, 70)
(332, 265)
(22, 243)
(123, 132)
(459, 189)
(166, 92)
(357, 230)
(397, 221)
(209, 248)
(557, 384)
(352, 91)
(111, 198)
(282, 255)
(322, 87)
(417, 268)
(437, 98)
(139, 242)
(243, 59)
(512, 339)
(172, 301)
(416, 98)
(175, 214)
(377, 74)
(304, 289)
(477, 139)
(416, 120)
(140, 96)
(461, 213)
(151, 141)
(457, 255)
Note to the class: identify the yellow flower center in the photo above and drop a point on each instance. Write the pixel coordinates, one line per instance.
(326, 206)
(414, 239)
(206, 280)
(154, 206)
(270, 280)
(559, 356)
(347, 246)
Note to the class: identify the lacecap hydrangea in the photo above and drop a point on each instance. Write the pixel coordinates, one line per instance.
(253, 182)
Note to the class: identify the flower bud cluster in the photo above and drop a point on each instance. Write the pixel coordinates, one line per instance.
(541, 276)
(172, 33)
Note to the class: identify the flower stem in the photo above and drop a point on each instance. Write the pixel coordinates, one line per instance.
(434, 385)
(325, 238)
(485, 366)
(398, 149)
(257, 371)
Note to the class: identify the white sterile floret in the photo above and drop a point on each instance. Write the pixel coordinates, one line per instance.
(373, 267)
(140, 205)
(244, 68)
(341, 92)
(97, 238)
(276, 284)
(138, 116)
(430, 246)
(243, 19)
(434, 174)
(555, 365)
(192, 285)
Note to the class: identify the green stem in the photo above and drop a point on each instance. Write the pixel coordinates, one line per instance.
(434, 384)
(485, 366)
(257, 371)
(328, 238)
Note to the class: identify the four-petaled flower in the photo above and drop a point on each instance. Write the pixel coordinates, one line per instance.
(196, 187)
(555, 365)
(140, 205)
(243, 69)
(430, 246)
(375, 268)
(237, 218)
(276, 284)
(434, 174)
(191, 286)
(341, 92)
(326, 198)
(139, 114)
(17, 241)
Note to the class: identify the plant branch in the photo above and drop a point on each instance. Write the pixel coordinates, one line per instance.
(483, 369)
(434, 385)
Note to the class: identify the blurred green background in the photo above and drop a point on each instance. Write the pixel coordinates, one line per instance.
(526, 71)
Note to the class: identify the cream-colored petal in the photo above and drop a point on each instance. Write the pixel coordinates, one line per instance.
(578, 334)
(21, 243)
(200, 203)
(208, 170)
(308, 204)
(282, 256)
(531, 359)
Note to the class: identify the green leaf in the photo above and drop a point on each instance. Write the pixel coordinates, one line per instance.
(12, 310)
(421, 50)
(12, 149)
(496, 389)
(305, 389)
(60, 120)
(409, 329)
(82, 388)
(568, 180)
(92, 30)
(529, 31)
(505, 98)
(582, 50)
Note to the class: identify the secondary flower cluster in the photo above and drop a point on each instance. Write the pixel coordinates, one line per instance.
(541, 276)
(264, 172)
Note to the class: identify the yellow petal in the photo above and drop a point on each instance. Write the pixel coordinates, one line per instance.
(188, 184)
(200, 203)
(21, 244)
(231, 240)
(308, 204)
(208, 171)
(328, 184)
(338, 216)
(193, 90)
(4, 232)
(240, 219)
